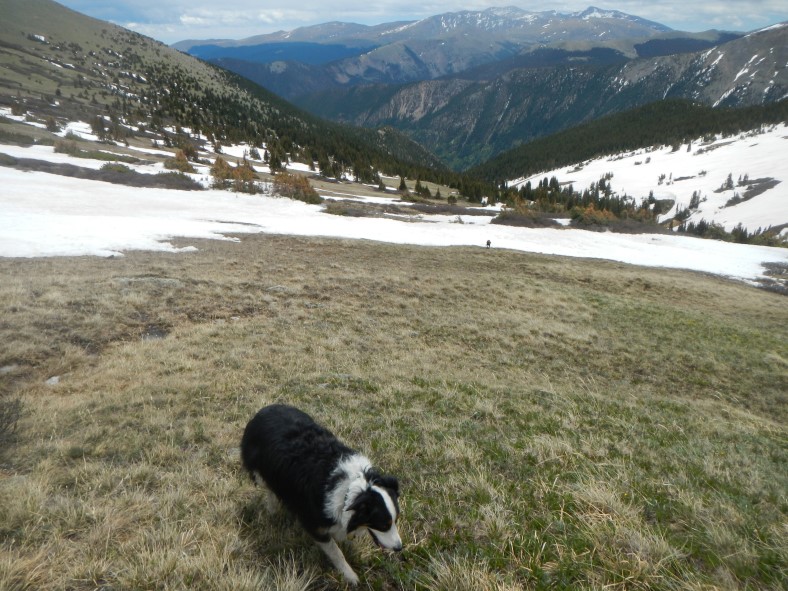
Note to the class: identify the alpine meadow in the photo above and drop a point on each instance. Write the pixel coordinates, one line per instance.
(555, 423)
(573, 390)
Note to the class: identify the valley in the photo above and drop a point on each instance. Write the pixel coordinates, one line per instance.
(475, 116)
(523, 76)
(92, 175)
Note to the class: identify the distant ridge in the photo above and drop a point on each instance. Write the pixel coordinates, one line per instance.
(406, 51)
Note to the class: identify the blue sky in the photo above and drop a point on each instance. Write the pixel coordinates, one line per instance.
(175, 20)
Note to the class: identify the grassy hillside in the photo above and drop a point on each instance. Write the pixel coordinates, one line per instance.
(556, 423)
(59, 65)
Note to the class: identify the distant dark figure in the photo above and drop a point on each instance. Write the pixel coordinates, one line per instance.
(489, 244)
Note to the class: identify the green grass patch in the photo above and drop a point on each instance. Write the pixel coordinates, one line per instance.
(71, 148)
(19, 139)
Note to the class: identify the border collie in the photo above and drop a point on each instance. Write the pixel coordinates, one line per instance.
(332, 489)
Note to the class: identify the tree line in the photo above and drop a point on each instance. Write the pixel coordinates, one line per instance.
(668, 122)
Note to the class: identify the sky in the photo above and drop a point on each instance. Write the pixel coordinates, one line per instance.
(177, 20)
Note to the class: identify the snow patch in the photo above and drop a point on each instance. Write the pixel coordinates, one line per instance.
(701, 167)
(48, 215)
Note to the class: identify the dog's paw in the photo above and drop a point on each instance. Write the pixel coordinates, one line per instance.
(352, 578)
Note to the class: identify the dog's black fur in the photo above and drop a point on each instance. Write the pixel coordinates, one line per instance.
(332, 489)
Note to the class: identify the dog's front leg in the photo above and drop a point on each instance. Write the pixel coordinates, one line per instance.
(338, 560)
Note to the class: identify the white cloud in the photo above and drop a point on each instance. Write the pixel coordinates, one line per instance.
(193, 21)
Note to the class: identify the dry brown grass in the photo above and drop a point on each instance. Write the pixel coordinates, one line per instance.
(556, 423)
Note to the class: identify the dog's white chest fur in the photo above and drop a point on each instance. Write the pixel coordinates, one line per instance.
(351, 481)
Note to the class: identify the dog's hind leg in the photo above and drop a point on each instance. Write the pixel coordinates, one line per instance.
(338, 560)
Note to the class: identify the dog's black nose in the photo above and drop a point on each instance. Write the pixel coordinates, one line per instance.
(397, 548)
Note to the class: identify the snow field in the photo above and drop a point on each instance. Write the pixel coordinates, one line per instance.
(43, 214)
(697, 167)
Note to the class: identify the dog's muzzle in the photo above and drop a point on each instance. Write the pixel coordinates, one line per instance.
(388, 540)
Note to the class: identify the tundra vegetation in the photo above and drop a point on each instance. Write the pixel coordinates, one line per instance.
(555, 423)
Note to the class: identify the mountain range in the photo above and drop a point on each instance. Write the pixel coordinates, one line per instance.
(337, 55)
(471, 85)
(549, 72)
(469, 118)
(511, 24)
(58, 67)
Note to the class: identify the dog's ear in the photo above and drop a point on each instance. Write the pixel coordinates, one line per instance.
(359, 509)
(389, 482)
(359, 502)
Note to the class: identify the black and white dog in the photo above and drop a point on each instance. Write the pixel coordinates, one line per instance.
(330, 488)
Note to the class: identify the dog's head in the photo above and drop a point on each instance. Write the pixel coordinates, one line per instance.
(376, 508)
